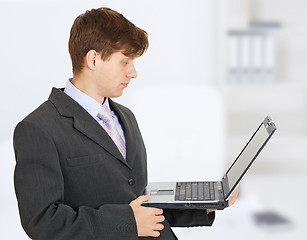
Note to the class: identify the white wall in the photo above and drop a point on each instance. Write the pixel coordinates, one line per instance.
(34, 55)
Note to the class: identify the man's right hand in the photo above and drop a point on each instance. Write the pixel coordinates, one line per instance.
(148, 220)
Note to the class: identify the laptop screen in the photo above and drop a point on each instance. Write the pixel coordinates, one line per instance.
(249, 153)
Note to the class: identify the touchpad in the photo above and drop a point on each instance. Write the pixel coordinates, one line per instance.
(161, 192)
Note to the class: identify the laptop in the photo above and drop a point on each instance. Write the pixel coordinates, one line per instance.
(210, 194)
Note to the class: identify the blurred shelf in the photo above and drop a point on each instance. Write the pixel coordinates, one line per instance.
(279, 86)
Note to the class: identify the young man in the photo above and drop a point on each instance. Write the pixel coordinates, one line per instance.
(80, 158)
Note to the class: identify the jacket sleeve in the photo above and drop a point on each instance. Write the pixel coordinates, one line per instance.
(188, 217)
(39, 187)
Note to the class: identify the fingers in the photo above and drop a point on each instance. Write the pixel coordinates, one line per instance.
(159, 218)
(148, 220)
(141, 199)
(210, 210)
(138, 201)
(234, 195)
(159, 227)
(145, 198)
(155, 234)
(157, 211)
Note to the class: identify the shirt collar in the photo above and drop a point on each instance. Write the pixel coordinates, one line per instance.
(92, 106)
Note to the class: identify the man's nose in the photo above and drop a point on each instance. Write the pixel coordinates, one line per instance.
(132, 72)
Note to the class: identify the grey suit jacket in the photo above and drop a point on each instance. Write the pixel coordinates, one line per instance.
(71, 181)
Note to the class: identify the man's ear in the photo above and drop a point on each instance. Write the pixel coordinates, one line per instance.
(90, 59)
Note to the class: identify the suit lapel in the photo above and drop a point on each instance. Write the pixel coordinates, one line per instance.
(128, 131)
(84, 122)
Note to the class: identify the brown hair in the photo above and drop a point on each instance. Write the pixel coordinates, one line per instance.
(105, 31)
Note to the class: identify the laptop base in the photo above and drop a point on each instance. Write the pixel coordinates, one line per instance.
(189, 205)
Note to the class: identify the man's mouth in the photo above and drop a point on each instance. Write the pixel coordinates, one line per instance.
(125, 84)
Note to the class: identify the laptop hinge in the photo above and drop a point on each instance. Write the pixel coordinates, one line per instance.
(225, 186)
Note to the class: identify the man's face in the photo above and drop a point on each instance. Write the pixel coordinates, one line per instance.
(113, 75)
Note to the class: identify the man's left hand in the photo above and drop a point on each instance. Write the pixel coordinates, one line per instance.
(231, 201)
(233, 196)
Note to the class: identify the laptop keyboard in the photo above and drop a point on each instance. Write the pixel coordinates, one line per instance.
(194, 191)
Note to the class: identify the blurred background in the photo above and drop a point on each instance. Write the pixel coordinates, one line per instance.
(215, 68)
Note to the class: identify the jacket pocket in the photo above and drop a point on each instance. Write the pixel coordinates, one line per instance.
(85, 160)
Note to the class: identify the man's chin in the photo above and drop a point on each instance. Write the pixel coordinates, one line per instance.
(117, 95)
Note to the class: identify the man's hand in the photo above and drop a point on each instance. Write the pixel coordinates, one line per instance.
(233, 196)
(210, 210)
(231, 201)
(148, 220)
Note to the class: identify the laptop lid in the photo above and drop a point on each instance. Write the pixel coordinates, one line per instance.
(247, 156)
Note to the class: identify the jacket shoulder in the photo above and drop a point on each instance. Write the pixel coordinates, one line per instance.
(41, 113)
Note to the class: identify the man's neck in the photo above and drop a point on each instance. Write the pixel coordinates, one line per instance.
(83, 84)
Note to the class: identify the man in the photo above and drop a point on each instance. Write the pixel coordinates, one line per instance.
(80, 158)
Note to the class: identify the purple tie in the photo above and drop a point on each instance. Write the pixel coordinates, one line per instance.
(106, 116)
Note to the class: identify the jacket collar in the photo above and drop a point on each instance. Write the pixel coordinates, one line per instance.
(128, 126)
(87, 125)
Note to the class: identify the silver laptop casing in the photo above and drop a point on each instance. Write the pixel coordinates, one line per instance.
(162, 194)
